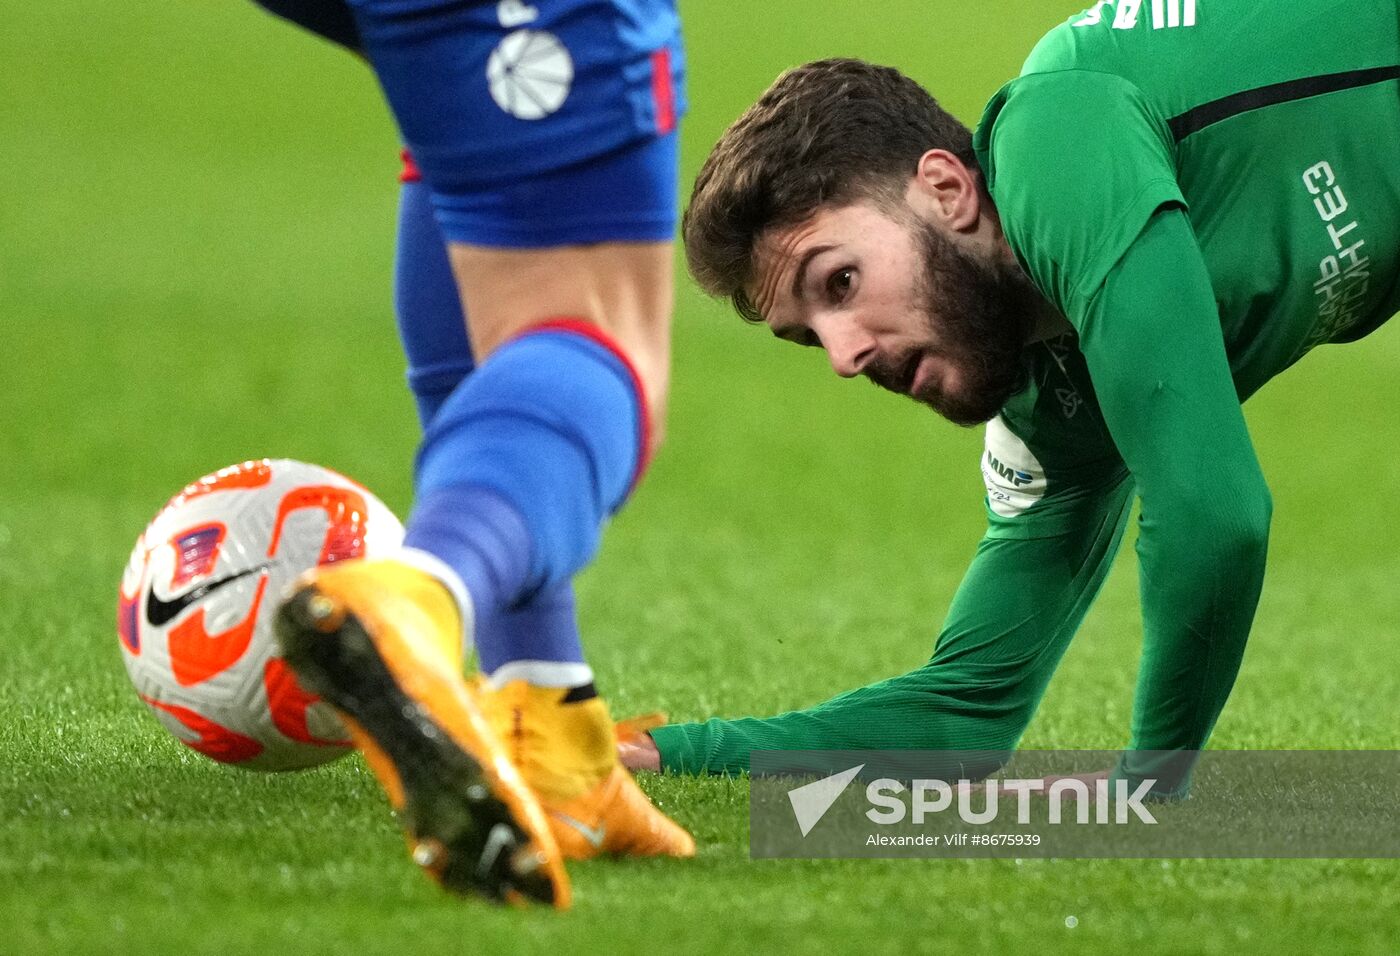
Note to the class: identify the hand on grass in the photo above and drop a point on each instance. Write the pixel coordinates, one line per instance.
(635, 748)
(639, 753)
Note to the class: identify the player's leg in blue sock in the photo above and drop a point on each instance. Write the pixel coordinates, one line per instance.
(543, 627)
(570, 218)
(547, 134)
(517, 474)
(426, 302)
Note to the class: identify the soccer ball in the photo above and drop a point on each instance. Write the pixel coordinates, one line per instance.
(194, 615)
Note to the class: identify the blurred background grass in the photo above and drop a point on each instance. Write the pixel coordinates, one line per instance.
(195, 244)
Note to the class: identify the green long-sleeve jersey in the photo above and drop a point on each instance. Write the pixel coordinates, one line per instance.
(1206, 189)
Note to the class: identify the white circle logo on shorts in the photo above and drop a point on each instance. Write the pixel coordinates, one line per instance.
(529, 73)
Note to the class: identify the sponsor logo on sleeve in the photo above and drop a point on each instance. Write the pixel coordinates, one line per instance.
(1012, 474)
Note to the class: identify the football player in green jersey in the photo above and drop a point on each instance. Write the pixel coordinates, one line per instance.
(1174, 202)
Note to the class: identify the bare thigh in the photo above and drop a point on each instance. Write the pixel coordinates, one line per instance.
(624, 288)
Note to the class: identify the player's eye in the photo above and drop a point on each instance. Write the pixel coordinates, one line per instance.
(839, 285)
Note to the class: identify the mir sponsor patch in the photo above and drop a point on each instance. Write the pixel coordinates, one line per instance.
(1010, 471)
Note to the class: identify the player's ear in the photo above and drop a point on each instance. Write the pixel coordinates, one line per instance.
(945, 190)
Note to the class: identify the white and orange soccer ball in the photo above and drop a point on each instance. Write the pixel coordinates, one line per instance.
(194, 615)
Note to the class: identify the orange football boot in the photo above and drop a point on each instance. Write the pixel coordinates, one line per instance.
(567, 753)
(380, 641)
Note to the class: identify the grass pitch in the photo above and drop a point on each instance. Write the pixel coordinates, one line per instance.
(195, 270)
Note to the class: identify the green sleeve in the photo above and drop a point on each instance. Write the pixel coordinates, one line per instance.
(1152, 342)
(1010, 621)
(1083, 172)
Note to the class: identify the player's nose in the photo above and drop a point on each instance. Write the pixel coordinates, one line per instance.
(848, 347)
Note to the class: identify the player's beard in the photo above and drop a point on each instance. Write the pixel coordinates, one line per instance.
(980, 314)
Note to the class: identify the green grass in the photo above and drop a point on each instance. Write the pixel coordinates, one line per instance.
(195, 270)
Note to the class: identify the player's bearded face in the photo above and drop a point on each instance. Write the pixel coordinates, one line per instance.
(980, 315)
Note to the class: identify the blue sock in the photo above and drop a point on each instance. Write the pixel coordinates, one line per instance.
(433, 331)
(542, 630)
(429, 310)
(518, 471)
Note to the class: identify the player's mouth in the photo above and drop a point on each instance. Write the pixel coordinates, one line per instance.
(916, 375)
(894, 375)
(921, 378)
